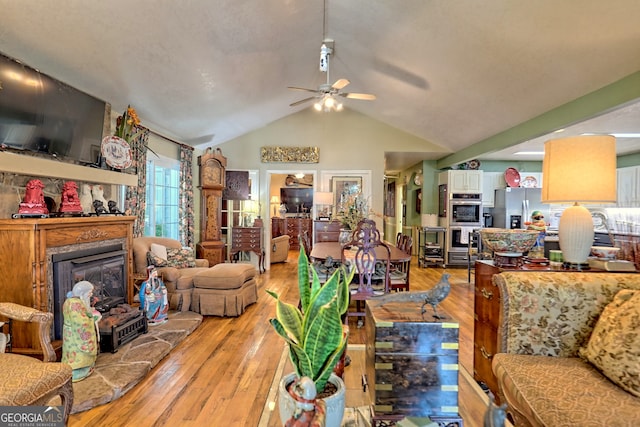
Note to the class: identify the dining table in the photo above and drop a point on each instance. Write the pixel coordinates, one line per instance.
(323, 250)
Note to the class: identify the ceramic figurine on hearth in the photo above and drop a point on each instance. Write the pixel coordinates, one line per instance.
(70, 202)
(33, 201)
(153, 298)
(80, 331)
(86, 200)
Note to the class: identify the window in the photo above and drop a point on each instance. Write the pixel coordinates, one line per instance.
(163, 189)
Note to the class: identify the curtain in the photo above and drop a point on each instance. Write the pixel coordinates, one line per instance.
(185, 204)
(134, 203)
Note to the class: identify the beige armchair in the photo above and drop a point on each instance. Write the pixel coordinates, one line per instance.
(280, 248)
(27, 381)
(179, 281)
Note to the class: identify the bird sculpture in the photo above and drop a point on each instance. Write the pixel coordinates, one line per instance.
(433, 296)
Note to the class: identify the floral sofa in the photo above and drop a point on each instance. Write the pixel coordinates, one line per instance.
(569, 348)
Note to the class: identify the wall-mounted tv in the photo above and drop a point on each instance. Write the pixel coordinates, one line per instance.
(41, 114)
(297, 200)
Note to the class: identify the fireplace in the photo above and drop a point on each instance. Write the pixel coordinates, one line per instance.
(104, 266)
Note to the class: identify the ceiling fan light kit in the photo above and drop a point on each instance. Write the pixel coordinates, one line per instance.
(327, 93)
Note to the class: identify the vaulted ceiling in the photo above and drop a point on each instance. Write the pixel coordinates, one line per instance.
(453, 72)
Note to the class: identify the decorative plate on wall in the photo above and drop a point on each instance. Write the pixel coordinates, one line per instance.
(512, 176)
(529, 182)
(116, 152)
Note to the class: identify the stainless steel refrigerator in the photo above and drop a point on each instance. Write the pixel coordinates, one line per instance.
(513, 207)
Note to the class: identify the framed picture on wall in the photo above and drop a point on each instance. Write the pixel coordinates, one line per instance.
(390, 200)
(345, 187)
(419, 201)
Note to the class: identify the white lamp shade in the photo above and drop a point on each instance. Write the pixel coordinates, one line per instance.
(323, 198)
(578, 169)
(275, 200)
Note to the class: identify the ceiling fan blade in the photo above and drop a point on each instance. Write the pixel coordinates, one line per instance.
(339, 84)
(362, 96)
(302, 101)
(302, 88)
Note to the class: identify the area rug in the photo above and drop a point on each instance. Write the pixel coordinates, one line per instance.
(117, 373)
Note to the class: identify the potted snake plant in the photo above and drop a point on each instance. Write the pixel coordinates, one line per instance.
(315, 335)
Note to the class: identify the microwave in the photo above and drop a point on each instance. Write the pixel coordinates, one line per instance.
(465, 212)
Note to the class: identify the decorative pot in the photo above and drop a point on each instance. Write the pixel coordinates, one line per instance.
(335, 404)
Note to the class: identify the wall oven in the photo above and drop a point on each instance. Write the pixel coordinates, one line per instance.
(465, 210)
(464, 217)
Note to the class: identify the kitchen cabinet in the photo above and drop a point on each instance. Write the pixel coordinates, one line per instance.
(628, 188)
(464, 181)
(491, 181)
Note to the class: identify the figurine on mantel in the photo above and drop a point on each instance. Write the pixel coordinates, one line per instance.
(70, 202)
(97, 192)
(113, 208)
(86, 200)
(33, 202)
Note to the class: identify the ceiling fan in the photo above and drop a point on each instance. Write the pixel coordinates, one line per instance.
(327, 93)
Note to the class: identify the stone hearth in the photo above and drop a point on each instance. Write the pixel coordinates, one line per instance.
(117, 373)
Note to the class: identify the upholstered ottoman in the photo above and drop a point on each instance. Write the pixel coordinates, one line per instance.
(224, 289)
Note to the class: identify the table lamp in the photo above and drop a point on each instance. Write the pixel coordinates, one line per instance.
(323, 198)
(275, 201)
(578, 169)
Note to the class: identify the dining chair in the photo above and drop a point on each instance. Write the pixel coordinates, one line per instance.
(399, 275)
(369, 255)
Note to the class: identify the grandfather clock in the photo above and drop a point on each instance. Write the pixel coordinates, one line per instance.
(212, 171)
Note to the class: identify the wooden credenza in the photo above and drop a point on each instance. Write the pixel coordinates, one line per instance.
(248, 239)
(26, 250)
(292, 227)
(326, 231)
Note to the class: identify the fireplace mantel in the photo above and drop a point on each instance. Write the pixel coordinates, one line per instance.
(26, 247)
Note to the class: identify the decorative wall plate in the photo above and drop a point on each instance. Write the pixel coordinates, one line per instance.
(512, 176)
(116, 152)
(529, 182)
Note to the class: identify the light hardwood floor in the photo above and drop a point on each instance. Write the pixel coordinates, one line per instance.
(221, 374)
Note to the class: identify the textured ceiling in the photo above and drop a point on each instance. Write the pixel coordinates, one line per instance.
(451, 72)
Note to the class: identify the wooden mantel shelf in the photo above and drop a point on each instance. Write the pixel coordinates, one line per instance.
(35, 166)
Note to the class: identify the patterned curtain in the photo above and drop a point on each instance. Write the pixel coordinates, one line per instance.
(185, 204)
(136, 196)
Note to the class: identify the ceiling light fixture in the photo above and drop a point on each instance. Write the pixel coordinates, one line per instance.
(328, 103)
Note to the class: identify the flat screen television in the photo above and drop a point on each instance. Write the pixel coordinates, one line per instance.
(297, 200)
(41, 114)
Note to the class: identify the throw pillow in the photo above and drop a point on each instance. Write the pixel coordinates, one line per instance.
(159, 251)
(155, 260)
(614, 345)
(180, 258)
